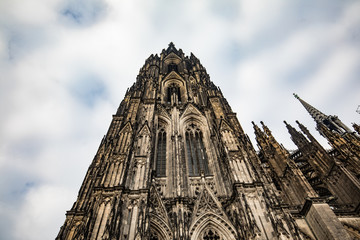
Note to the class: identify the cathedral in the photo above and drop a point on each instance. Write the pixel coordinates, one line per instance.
(176, 164)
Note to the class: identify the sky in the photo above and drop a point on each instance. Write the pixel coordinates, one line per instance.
(65, 66)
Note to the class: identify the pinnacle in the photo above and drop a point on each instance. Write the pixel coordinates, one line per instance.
(171, 48)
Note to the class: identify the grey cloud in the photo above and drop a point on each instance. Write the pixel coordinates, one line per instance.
(83, 12)
(78, 58)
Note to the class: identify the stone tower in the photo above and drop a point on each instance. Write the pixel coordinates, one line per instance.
(176, 164)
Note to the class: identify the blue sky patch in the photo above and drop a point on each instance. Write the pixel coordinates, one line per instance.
(258, 52)
(82, 12)
(88, 88)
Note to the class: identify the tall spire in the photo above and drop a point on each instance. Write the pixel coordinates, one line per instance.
(314, 113)
(333, 123)
(298, 138)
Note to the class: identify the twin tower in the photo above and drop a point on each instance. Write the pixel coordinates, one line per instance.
(176, 164)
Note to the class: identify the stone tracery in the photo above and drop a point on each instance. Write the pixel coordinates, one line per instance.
(176, 164)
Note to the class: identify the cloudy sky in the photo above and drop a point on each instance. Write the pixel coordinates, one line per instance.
(65, 66)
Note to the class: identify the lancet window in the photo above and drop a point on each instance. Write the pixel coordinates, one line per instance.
(195, 149)
(161, 154)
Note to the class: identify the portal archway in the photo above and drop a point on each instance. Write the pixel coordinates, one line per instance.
(159, 230)
(212, 227)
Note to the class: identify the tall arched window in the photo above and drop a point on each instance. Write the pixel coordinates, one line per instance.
(195, 149)
(161, 154)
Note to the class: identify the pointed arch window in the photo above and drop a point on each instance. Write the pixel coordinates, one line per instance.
(195, 150)
(161, 154)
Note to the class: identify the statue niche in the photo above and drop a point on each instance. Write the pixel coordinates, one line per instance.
(173, 94)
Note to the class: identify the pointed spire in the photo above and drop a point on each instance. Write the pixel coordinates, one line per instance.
(260, 136)
(298, 138)
(314, 113)
(356, 128)
(311, 137)
(304, 129)
(256, 128)
(171, 45)
(266, 130)
(275, 145)
(333, 123)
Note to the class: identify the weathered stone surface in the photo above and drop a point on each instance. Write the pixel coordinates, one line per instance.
(176, 164)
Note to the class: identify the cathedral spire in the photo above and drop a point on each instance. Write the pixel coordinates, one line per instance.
(314, 113)
(176, 164)
(333, 123)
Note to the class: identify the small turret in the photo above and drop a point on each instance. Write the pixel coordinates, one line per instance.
(171, 48)
(356, 128)
(298, 138)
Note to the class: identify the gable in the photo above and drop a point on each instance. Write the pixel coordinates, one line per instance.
(145, 130)
(157, 207)
(172, 58)
(126, 128)
(173, 75)
(191, 110)
(162, 112)
(207, 202)
(224, 125)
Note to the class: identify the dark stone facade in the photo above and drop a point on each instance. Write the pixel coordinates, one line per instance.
(176, 164)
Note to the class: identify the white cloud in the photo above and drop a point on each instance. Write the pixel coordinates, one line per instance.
(31, 12)
(33, 220)
(315, 60)
(49, 136)
(335, 72)
(257, 17)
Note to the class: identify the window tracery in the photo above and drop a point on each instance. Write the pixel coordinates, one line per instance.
(154, 237)
(195, 149)
(161, 154)
(211, 235)
(155, 234)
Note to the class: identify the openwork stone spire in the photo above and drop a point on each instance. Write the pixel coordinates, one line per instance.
(314, 113)
(333, 123)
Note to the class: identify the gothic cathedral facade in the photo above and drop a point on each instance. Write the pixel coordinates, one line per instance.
(176, 164)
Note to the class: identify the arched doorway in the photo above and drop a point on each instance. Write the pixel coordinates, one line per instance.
(210, 226)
